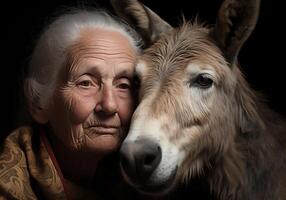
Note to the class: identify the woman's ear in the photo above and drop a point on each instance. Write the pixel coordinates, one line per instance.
(38, 113)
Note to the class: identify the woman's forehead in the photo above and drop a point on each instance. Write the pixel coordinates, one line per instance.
(101, 47)
(99, 35)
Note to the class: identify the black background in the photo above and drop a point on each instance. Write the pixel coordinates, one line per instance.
(261, 57)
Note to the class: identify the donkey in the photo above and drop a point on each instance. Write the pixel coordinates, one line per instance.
(197, 116)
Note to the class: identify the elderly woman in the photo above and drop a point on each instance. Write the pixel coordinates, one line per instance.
(80, 93)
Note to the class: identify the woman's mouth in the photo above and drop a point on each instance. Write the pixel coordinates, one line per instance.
(102, 129)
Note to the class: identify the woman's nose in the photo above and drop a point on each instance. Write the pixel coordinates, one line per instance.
(107, 101)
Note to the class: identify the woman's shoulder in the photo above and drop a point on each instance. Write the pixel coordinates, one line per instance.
(15, 139)
(12, 149)
(19, 133)
(14, 175)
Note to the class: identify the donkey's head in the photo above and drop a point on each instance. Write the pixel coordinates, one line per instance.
(193, 98)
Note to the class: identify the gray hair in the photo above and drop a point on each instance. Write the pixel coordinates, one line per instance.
(50, 51)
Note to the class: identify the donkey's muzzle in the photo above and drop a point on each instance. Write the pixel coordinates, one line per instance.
(139, 159)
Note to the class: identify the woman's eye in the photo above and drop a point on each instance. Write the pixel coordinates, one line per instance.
(124, 86)
(203, 81)
(85, 83)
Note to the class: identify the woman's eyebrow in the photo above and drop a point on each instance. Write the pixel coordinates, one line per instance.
(86, 69)
(129, 73)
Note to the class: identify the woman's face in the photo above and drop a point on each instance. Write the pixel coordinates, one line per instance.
(93, 101)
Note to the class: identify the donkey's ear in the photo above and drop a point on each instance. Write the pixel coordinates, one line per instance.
(147, 23)
(236, 21)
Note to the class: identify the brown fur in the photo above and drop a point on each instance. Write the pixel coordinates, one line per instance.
(237, 145)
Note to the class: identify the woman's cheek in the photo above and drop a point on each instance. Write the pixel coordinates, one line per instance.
(81, 108)
(126, 108)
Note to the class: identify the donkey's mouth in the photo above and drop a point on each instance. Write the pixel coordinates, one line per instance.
(158, 185)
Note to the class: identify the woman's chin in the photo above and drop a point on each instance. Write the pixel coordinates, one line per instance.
(106, 143)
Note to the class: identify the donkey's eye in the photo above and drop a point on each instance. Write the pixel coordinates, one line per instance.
(203, 81)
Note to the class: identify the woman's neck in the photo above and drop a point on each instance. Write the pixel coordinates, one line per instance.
(78, 167)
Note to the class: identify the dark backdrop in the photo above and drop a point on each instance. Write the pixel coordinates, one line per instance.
(261, 57)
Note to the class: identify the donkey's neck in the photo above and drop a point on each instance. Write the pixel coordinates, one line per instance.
(247, 169)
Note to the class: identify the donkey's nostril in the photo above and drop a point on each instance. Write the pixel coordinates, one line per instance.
(140, 158)
(148, 160)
